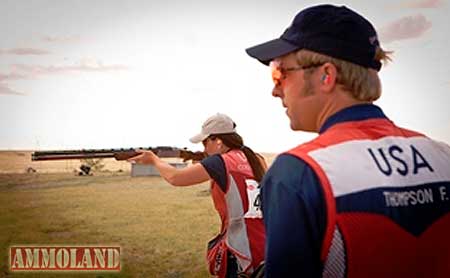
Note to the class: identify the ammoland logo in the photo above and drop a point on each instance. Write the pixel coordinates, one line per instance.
(64, 258)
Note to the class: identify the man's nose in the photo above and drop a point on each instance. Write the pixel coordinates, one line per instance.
(276, 92)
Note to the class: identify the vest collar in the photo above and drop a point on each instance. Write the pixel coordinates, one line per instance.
(358, 112)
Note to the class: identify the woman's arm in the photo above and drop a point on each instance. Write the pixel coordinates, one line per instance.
(190, 175)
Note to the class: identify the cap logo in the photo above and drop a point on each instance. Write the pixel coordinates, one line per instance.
(373, 39)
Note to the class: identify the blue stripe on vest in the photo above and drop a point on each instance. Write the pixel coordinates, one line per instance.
(404, 205)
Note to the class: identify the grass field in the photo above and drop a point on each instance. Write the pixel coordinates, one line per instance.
(162, 230)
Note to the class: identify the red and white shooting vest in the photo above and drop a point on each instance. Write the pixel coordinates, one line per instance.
(387, 193)
(242, 232)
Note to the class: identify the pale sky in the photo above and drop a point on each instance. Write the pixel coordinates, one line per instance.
(112, 74)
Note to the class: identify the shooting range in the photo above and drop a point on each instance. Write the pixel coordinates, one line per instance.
(87, 75)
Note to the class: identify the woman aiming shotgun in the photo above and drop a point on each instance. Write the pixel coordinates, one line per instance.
(235, 172)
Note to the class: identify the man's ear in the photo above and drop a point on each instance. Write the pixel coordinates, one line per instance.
(328, 76)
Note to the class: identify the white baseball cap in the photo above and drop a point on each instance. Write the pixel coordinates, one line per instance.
(217, 124)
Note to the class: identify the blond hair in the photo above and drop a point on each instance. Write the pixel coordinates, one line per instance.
(362, 83)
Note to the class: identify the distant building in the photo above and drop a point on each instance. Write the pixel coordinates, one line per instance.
(138, 170)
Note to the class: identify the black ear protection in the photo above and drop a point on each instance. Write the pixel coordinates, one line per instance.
(324, 78)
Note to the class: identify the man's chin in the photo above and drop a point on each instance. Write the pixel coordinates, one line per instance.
(294, 126)
(299, 127)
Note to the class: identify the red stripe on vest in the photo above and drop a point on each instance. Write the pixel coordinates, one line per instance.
(386, 260)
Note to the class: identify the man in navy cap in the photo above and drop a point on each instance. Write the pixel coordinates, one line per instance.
(365, 198)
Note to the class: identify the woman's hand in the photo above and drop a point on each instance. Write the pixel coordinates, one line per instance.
(144, 157)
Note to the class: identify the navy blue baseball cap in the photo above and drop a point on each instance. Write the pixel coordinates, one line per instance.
(335, 31)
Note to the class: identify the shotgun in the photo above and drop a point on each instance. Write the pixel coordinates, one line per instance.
(118, 154)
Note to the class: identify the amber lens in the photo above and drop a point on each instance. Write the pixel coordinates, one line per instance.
(276, 72)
